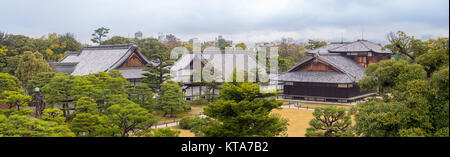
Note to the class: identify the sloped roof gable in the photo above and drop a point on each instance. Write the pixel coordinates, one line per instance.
(100, 58)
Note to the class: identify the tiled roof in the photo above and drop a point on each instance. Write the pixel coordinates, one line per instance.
(182, 64)
(356, 46)
(132, 73)
(95, 59)
(315, 77)
(350, 71)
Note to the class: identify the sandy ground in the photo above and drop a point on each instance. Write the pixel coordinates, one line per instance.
(298, 120)
(183, 132)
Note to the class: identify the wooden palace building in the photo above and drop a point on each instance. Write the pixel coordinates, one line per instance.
(93, 59)
(332, 72)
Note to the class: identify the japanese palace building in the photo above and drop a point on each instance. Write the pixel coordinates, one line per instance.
(93, 59)
(183, 69)
(332, 72)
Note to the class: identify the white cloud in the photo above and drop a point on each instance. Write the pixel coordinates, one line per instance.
(246, 21)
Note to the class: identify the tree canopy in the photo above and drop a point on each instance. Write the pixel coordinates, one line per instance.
(243, 112)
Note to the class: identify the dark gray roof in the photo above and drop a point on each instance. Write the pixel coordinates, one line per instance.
(315, 77)
(95, 59)
(132, 73)
(345, 47)
(325, 49)
(67, 67)
(350, 71)
(346, 65)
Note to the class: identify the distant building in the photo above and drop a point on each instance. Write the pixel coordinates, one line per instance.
(93, 59)
(162, 38)
(332, 73)
(191, 41)
(264, 44)
(138, 35)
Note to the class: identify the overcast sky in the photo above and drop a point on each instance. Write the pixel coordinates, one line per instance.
(242, 21)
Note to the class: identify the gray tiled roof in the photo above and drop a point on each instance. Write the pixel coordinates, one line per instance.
(132, 73)
(315, 77)
(346, 65)
(360, 46)
(350, 71)
(102, 58)
(218, 62)
(356, 46)
(324, 49)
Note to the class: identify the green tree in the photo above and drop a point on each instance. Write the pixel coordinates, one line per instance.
(9, 83)
(433, 60)
(439, 99)
(58, 91)
(380, 119)
(89, 122)
(39, 81)
(30, 64)
(99, 34)
(142, 94)
(170, 99)
(129, 116)
(159, 55)
(54, 115)
(117, 40)
(100, 86)
(161, 132)
(402, 45)
(3, 51)
(329, 122)
(86, 105)
(415, 91)
(222, 44)
(11, 64)
(242, 111)
(389, 74)
(313, 44)
(17, 125)
(14, 99)
(93, 125)
(242, 45)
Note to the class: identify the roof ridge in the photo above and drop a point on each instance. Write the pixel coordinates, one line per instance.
(342, 44)
(365, 45)
(115, 46)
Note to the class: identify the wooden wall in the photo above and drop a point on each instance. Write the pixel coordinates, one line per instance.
(316, 65)
(133, 61)
(366, 60)
(321, 90)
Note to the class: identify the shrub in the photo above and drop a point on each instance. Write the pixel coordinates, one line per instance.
(185, 123)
